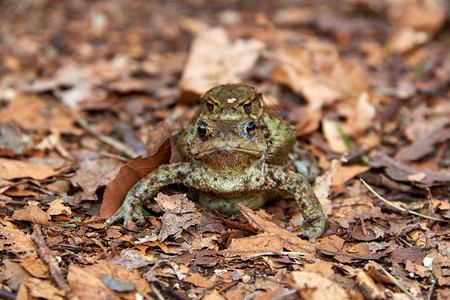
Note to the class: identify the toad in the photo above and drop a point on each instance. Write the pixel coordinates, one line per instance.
(234, 152)
(236, 101)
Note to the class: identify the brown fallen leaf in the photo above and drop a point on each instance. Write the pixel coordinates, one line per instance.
(215, 60)
(33, 112)
(345, 173)
(35, 267)
(129, 175)
(180, 214)
(15, 274)
(44, 289)
(16, 241)
(93, 173)
(423, 146)
(334, 138)
(254, 245)
(273, 238)
(316, 287)
(197, 280)
(13, 169)
(58, 208)
(32, 213)
(86, 283)
(317, 72)
(13, 141)
(401, 172)
(323, 184)
(416, 23)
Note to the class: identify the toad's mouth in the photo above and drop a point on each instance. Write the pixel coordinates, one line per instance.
(226, 151)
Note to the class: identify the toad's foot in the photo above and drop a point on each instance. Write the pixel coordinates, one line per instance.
(312, 230)
(128, 213)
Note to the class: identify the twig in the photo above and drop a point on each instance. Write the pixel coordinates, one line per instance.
(47, 256)
(229, 285)
(399, 207)
(433, 281)
(156, 292)
(272, 253)
(363, 227)
(95, 132)
(392, 279)
(285, 294)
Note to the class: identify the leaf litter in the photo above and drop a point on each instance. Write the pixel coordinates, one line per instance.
(364, 83)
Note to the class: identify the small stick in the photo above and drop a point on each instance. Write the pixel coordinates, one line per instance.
(156, 292)
(271, 253)
(399, 207)
(231, 284)
(95, 132)
(47, 256)
(363, 227)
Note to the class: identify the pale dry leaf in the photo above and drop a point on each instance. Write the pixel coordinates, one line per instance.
(415, 22)
(32, 213)
(180, 214)
(214, 60)
(197, 280)
(58, 208)
(322, 187)
(44, 289)
(272, 239)
(345, 173)
(16, 241)
(333, 136)
(317, 72)
(32, 112)
(13, 169)
(361, 117)
(316, 287)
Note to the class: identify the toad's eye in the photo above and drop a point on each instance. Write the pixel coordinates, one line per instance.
(209, 105)
(202, 129)
(248, 106)
(251, 127)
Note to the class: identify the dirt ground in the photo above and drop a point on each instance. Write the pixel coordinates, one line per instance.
(88, 86)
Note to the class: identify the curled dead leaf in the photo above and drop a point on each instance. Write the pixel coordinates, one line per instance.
(129, 175)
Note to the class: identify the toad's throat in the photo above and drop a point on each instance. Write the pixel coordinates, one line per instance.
(226, 151)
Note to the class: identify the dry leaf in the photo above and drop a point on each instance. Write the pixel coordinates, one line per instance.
(273, 238)
(58, 208)
(215, 60)
(32, 112)
(93, 173)
(315, 287)
(323, 186)
(32, 213)
(345, 173)
(318, 73)
(197, 280)
(129, 175)
(44, 289)
(180, 214)
(13, 169)
(333, 136)
(16, 241)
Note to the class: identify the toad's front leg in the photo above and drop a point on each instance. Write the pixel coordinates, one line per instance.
(145, 189)
(297, 185)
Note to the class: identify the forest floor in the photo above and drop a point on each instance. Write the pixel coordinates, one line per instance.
(85, 86)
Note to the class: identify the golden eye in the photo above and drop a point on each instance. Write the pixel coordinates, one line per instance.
(248, 106)
(209, 105)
